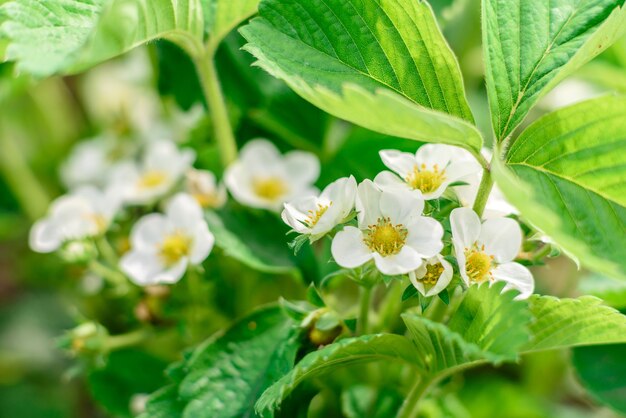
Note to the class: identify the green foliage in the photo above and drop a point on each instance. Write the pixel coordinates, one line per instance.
(531, 45)
(612, 291)
(363, 401)
(603, 372)
(68, 36)
(127, 373)
(566, 175)
(256, 239)
(561, 323)
(345, 352)
(221, 16)
(223, 377)
(384, 66)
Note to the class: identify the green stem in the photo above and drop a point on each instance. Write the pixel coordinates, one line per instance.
(194, 288)
(205, 65)
(25, 186)
(364, 310)
(409, 407)
(114, 277)
(107, 251)
(484, 190)
(116, 342)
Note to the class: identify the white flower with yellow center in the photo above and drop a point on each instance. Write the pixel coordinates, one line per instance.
(164, 245)
(391, 231)
(204, 187)
(318, 215)
(162, 167)
(86, 212)
(432, 277)
(431, 170)
(486, 251)
(264, 178)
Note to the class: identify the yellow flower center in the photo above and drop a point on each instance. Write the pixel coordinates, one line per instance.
(425, 180)
(314, 216)
(206, 200)
(152, 178)
(174, 247)
(98, 220)
(269, 188)
(478, 265)
(433, 273)
(384, 238)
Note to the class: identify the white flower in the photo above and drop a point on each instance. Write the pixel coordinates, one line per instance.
(263, 178)
(391, 231)
(486, 251)
(203, 186)
(316, 216)
(162, 167)
(85, 213)
(431, 170)
(432, 277)
(164, 245)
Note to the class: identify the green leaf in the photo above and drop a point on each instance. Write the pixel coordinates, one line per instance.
(127, 373)
(381, 65)
(602, 370)
(224, 376)
(222, 16)
(560, 323)
(364, 401)
(532, 45)
(68, 36)
(612, 291)
(487, 326)
(380, 347)
(257, 240)
(566, 174)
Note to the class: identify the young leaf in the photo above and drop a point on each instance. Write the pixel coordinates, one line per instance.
(531, 45)
(382, 65)
(224, 376)
(363, 349)
(566, 174)
(221, 17)
(68, 36)
(560, 323)
(603, 372)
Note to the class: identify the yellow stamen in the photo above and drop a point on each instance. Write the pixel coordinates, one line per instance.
(314, 216)
(478, 264)
(384, 238)
(269, 188)
(152, 178)
(174, 247)
(207, 200)
(433, 273)
(425, 180)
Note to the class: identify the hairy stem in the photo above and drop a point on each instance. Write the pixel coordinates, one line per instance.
(212, 90)
(409, 407)
(116, 342)
(364, 310)
(484, 190)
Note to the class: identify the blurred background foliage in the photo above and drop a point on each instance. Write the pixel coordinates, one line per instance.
(40, 298)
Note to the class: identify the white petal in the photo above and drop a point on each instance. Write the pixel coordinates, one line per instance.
(149, 231)
(517, 277)
(184, 211)
(368, 204)
(302, 167)
(502, 238)
(416, 283)
(203, 241)
(44, 237)
(172, 274)
(466, 226)
(402, 163)
(425, 236)
(142, 268)
(348, 248)
(386, 180)
(294, 218)
(401, 207)
(431, 154)
(404, 262)
(459, 171)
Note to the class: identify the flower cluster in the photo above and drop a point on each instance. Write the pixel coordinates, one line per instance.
(398, 227)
